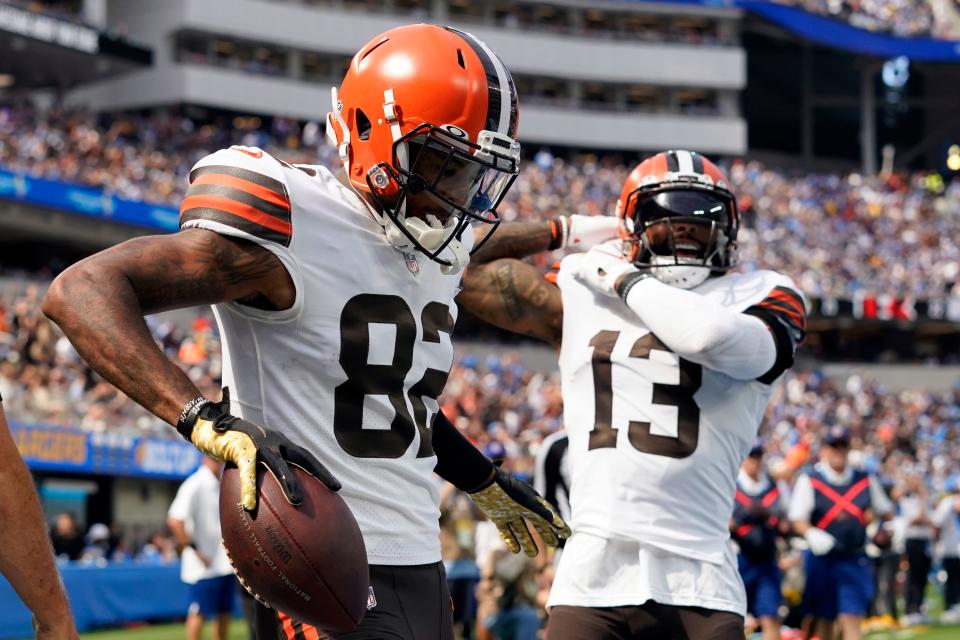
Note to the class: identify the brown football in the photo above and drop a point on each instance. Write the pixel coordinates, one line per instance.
(308, 561)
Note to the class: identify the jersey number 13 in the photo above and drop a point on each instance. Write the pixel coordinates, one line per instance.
(680, 395)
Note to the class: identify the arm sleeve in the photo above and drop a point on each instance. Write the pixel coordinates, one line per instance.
(458, 461)
(801, 502)
(704, 331)
(878, 498)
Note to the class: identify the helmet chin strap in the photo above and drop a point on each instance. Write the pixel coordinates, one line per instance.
(431, 234)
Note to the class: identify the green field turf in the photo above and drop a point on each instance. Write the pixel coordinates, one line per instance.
(238, 632)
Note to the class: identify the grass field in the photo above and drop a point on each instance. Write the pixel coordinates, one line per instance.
(238, 632)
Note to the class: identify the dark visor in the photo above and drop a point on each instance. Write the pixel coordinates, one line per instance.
(683, 203)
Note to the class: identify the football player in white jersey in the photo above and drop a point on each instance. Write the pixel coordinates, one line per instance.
(667, 358)
(334, 298)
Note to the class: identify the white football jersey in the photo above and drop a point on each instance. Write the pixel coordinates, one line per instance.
(656, 441)
(352, 370)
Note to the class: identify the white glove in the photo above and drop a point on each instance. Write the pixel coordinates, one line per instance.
(600, 268)
(820, 541)
(586, 231)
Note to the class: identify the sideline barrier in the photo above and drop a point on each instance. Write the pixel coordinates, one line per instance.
(116, 594)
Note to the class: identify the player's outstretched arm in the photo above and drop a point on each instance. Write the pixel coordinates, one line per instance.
(99, 303)
(522, 239)
(514, 295)
(26, 559)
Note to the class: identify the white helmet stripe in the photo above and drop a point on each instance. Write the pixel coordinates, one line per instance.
(685, 160)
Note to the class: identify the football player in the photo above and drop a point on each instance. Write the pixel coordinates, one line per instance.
(26, 558)
(334, 299)
(667, 361)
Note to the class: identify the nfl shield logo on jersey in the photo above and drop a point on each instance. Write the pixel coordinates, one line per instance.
(412, 263)
(371, 600)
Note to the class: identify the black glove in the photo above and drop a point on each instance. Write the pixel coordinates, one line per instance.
(210, 427)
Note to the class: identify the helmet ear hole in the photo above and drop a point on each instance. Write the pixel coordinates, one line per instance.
(363, 125)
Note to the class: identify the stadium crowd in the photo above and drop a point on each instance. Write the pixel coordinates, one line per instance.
(836, 235)
(904, 18)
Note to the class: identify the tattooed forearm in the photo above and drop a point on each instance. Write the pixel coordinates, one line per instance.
(513, 295)
(99, 304)
(503, 275)
(514, 240)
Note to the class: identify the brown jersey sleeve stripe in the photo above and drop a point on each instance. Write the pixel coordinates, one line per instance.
(244, 174)
(221, 191)
(254, 189)
(789, 294)
(237, 222)
(236, 208)
(786, 313)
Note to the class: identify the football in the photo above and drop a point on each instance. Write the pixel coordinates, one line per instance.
(308, 561)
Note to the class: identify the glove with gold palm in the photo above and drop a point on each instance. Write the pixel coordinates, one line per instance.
(507, 502)
(211, 428)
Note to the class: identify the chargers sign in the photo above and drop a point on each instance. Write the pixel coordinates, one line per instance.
(50, 448)
(166, 458)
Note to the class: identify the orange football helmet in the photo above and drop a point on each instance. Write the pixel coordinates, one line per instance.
(428, 115)
(679, 218)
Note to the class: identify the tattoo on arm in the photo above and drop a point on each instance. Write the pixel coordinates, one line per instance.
(99, 304)
(514, 240)
(513, 295)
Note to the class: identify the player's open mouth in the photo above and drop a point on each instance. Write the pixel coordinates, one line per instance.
(688, 249)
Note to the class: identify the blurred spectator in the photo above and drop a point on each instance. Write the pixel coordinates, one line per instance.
(507, 594)
(67, 540)
(194, 519)
(458, 518)
(159, 549)
(915, 509)
(947, 520)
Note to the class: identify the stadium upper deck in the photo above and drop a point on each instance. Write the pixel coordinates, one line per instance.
(282, 57)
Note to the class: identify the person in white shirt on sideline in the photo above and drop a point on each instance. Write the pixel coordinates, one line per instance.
(830, 507)
(947, 520)
(194, 519)
(915, 511)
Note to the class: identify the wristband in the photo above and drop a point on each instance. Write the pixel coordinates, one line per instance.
(558, 232)
(188, 416)
(628, 281)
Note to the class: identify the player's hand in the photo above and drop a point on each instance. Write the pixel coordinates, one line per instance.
(583, 232)
(243, 443)
(821, 542)
(604, 269)
(506, 502)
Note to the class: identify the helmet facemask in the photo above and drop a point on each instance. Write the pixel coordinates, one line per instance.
(683, 234)
(438, 184)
